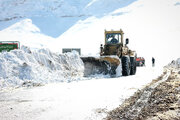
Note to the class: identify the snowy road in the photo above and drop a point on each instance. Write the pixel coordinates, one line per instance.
(82, 100)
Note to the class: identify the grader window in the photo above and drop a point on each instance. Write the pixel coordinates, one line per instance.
(113, 38)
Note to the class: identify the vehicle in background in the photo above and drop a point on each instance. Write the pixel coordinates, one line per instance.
(140, 61)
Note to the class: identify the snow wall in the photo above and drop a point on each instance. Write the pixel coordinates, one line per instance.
(22, 66)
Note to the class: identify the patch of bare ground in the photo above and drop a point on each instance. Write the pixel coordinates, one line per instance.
(160, 100)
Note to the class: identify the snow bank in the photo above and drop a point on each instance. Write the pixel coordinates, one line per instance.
(178, 62)
(39, 66)
(175, 63)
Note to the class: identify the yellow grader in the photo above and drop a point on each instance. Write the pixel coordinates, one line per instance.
(115, 53)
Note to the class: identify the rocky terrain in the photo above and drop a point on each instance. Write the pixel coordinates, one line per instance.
(160, 100)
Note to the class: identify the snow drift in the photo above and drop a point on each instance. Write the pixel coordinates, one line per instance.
(39, 66)
(175, 63)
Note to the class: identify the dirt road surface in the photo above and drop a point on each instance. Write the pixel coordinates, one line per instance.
(160, 100)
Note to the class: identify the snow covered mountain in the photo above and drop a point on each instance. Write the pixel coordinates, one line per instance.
(54, 17)
(11, 9)
(153, 32)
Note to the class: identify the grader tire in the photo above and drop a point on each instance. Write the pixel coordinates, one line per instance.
(125, 66)
(133, 66)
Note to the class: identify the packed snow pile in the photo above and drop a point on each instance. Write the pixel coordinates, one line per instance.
(175, 63)
(22, 66)
(178, 63)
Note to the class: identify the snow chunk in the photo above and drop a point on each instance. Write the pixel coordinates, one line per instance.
(175, 63)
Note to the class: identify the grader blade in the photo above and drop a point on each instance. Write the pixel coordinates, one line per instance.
(100, 65)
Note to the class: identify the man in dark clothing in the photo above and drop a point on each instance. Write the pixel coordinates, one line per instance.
(153, 62)
(114, 40)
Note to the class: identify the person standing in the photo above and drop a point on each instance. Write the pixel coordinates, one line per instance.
(153, 61)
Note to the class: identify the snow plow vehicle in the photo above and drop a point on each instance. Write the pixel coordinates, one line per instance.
(114, 54)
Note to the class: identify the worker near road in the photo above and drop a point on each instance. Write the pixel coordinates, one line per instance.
(153, 61)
